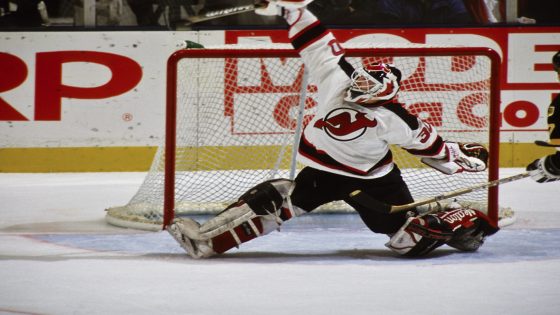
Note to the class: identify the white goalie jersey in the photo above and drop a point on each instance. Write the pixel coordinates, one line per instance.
(344, 137)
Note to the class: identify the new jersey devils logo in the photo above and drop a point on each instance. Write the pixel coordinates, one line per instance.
(345, 124)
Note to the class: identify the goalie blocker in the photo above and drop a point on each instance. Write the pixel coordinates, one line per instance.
(459, 157)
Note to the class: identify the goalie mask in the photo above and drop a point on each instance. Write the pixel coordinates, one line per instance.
(373, 83)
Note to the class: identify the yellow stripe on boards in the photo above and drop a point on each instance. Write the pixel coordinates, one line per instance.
(81, 159)
(133, 159)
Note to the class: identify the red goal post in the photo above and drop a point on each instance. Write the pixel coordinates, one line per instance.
(465, 106)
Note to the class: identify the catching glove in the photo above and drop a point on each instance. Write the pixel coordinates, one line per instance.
(469, 157)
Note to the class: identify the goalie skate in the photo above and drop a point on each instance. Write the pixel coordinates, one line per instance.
(186, 232)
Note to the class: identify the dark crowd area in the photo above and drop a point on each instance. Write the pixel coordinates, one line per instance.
(178, 14)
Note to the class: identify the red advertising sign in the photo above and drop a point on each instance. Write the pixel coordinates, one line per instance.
(528, 81)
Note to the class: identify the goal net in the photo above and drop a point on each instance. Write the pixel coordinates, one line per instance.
(233, 116)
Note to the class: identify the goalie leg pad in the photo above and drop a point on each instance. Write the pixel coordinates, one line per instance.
(268, 197)
(242, 229)
(244, 232)
(470, 228)
(229, 229)
(418, 236)
(259, 211)
(186, 232)
(463, 229)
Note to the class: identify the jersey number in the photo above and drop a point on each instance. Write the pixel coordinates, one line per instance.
(336, 48)
(425, 133)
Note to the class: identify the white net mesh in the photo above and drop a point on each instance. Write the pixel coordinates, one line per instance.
(236, 118)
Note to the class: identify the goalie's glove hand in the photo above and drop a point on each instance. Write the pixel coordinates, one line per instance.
(274, 7)
(544, 170)
(469, 157)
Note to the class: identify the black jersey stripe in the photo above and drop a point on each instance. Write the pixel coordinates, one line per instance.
(308, 35)
(432, 150)
(346, 66)
(309, 151)
(399, 110)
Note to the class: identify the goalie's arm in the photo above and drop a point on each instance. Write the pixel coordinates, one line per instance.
(320, 51)
(470, 157)
(446, 156)
(421, 139)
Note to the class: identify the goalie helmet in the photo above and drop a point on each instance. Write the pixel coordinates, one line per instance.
(373, 83)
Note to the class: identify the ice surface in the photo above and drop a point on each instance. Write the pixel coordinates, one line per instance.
(58, 256)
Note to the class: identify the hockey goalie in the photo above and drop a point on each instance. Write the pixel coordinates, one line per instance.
(346, 147)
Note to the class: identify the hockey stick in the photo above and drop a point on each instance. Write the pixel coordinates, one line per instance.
(216, 14)
(366, 200)
(546, 144)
